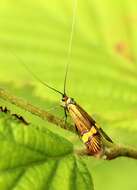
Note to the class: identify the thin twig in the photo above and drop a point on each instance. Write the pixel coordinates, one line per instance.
(121, 151)
(5, 95)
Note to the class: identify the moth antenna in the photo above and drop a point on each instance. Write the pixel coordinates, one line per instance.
(70, 42)
(34, 75)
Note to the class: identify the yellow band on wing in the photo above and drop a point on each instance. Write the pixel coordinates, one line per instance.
(88, 134)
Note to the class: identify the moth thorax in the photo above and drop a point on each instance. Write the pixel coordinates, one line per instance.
(70, 101)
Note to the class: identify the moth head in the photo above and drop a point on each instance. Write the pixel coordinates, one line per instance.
(66, 101)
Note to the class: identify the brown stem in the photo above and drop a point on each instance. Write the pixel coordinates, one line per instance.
(112, 152)
(5, 95)
(121, 151)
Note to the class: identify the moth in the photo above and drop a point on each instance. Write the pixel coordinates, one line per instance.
(91, 133)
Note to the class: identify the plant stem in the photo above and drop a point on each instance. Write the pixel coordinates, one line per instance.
(121, 151)
(112, 153)
(5, 95)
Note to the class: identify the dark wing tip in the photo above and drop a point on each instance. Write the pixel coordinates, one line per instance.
(105, 135)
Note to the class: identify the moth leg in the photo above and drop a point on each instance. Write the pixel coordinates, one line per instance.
(78, 133)
(66, 115)
(76, 129)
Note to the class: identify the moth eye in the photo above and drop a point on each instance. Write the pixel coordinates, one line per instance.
(63, 99)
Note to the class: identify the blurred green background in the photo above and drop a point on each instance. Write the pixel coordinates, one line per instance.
(102, 75)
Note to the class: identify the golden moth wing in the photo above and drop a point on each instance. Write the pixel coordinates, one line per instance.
(93, 123)
(78, 118)
(86, 115)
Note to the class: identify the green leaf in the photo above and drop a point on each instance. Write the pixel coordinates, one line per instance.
(35, 159)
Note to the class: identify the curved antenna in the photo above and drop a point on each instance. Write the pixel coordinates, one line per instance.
(70, 42)
(35, 76)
